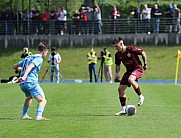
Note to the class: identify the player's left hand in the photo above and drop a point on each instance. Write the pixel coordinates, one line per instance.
(145, 67)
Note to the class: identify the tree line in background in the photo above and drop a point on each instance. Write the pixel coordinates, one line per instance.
(124, 6)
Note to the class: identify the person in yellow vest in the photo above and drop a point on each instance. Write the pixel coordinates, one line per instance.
(107, 65)
(25, 52)
(92, 61)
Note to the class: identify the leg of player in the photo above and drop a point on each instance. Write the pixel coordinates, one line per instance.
(26, 106)
(122, 98)
(132, 81)
(40, 108)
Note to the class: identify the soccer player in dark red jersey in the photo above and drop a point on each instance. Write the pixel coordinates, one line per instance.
(129, 56)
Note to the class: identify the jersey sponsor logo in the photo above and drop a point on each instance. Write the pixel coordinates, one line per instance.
(129, 55)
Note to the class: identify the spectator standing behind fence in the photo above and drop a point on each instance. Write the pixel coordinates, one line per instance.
(54, 60)
(156, 14)
(97, 20)
(107, 65)
(45, 22)
(137, 16)
(35, 23)
(92, 61)
(3, 22)
(75, 22)
(115, 14)
(83, 19)
(169, 13)
(63, 20)
(177, 19)
(53, 20)
(90, 15)
(25, 18)
(56, 20)
(17, 21)
(146, 16)
(8, 21)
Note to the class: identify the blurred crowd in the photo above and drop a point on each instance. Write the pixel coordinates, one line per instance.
(151, 18)
(86, 20)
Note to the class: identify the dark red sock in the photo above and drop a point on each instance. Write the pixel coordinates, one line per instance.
(138, 91)
(122, 101)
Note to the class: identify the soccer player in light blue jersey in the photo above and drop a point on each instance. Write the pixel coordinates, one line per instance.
(29, 81)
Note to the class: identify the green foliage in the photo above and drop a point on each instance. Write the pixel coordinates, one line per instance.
(87, 111)
(124, 6)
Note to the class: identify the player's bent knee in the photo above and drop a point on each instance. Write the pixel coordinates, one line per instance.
(131, 79)
(120, 90)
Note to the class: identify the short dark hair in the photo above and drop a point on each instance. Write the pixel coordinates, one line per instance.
(53, 49)
(42, 46)
(117, 40)
(91, 47)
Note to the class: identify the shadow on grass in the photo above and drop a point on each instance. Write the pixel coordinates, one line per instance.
(6, 118)
(87, 115)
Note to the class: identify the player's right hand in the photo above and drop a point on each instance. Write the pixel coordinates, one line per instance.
(21, 79)
(145, 67)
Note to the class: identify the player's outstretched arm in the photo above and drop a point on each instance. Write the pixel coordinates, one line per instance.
(144, 60)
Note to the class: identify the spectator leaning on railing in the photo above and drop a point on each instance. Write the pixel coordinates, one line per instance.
(137, 15)
(63, 20)
(45, 22)
(156, 14)
(146, 16)
(75, 22)
(83, 19)
(169, 14)
(114, 20)
(177, 19)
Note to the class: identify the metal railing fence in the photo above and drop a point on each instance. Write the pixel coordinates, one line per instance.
(119, 26)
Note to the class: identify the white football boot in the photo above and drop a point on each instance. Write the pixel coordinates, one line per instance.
(41, 118)
(140, 100)
(26, 117)
(122, 112)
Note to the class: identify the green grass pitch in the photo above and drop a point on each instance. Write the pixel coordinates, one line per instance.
(87, 111)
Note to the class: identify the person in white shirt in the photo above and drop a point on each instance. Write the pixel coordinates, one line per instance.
(63, 19)
(146, 16)
(54, 60)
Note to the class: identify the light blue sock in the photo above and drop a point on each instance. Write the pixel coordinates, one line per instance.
(25, 110)
(39, 111)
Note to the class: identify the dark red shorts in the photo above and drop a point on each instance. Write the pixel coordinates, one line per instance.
(138, 73)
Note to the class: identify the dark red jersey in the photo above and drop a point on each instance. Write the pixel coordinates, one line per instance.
(129, 58)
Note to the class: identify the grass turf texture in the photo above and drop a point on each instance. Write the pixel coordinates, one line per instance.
(161, 62)
(87, 111)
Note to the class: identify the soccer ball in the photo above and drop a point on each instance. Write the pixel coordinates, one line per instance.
(130, 110)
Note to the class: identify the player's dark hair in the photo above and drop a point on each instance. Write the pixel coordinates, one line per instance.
(53, 49)
(42, 46)
(117, 40)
